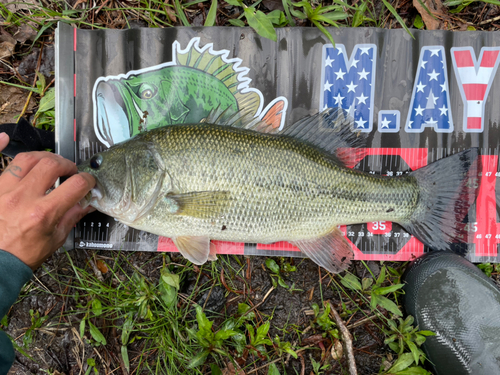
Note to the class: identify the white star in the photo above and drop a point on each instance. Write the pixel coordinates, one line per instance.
(444, 110)
(431, 122)
(328, 61)
(362, 99)
(434, 52)
(340, 51)
(423, 64)
(409, 124)
(340, 74)
(420, 87)
(351, 87)
(433, 75)
(355, 63)
(433, 98)
(363, 74)
(327, 86)
(365, 50)
(360, 123)
(419, 111)
(385, 123)
(443, 87)
(338, 99)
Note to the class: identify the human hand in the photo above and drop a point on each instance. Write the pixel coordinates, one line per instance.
(33, 224)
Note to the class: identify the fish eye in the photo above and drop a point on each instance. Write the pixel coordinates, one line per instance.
(96, 161)
(147, 94)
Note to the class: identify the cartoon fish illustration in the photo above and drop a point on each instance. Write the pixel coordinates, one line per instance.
(197, 81)
(212, 180)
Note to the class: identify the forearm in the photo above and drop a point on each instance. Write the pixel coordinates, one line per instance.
(13, 275)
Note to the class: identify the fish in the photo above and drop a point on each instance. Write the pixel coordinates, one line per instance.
(245, 181)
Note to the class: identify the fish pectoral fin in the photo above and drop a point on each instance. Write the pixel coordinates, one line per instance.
(331, 252)
(199, 204)
(194, 249)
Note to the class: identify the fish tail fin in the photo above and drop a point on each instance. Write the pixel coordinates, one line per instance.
(448, 188)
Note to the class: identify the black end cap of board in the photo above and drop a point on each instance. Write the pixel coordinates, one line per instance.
(24, 137)
(448, 295)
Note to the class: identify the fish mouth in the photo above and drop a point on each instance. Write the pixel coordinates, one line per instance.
(91, 198)
(112, 123)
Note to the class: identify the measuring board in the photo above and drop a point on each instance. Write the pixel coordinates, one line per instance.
(419, 99)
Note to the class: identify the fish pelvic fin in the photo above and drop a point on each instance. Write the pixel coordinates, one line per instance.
(332, 130)
(331, 252)
(199, 204)
(447, 190)
(194, 249)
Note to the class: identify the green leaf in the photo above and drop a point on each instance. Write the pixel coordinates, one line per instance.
(215, 369)
(170, 278)
(403, 362)
(126, 361)
(286, 6)
(334, 16)
(180, 13)
(273, 370)
(418, 22)
(414, 350)
(367, 281)
(236, 3)
(96, 334)
(82, 328)
(427, 333)
(282, 283)
(199, 359)
(237, 22)
(397, 16)
(262, 331)
(4, 322)
(127, 328)
(298, 14)
(350, 281)
(413, 371)
(272, 265)
(40, 83)
(96, 307)
(389, 305)
(394, 346)
(210, 21)
(388, 289)
(224, 334)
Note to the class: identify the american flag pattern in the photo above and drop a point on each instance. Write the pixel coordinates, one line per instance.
(350, 84)
(474, 81)
(430, 101)
(388, 121)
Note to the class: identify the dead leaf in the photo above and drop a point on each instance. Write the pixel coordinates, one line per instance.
(273, 4)
(24, 33)
(313, 340)
(171, 14)
(6, 49)
(16, 99)
(230, 370)
(337, 350)
(102, 266)
(14, 6)
(436, 8)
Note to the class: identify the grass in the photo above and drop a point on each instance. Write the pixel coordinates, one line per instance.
(124, 316)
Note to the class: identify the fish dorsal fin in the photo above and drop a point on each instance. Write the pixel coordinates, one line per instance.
(331, 130)
(331, 251)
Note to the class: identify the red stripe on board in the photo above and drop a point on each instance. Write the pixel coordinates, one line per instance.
(489, 59)
(74, 39)
(473, 122)
(463, 59)
(475, 91)
(74, 130)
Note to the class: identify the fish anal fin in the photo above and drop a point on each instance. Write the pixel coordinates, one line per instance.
(193, 248)
(212, 256)
(199, 204)
(331, 251)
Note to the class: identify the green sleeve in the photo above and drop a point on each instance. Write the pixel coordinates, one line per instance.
(13, 275)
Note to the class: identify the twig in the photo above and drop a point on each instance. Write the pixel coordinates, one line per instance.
(261, 302)
(347, 338)
(490, 20)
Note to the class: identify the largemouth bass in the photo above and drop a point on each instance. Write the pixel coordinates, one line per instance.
(197, 182)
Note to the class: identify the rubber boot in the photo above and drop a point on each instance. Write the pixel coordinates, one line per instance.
(448, 295)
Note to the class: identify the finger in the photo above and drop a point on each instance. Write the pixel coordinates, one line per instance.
(21, 165)
(69, 193)
(46, 172)
(69, 220)
(4, 141)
